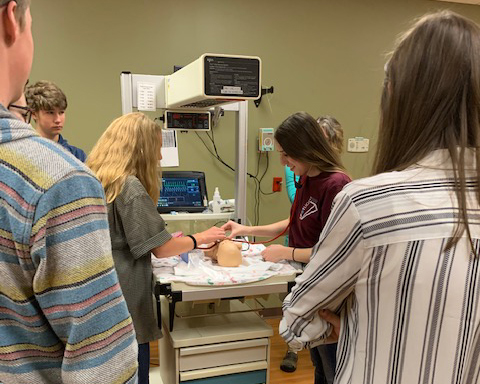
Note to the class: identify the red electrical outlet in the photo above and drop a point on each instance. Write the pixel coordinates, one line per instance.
(277, 184)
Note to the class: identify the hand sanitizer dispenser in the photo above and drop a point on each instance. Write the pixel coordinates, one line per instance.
(218, 205)
(217, 200)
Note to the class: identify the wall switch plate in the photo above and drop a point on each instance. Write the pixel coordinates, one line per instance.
(357, 144)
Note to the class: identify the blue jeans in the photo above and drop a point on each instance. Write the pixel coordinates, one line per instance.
(143, 363)
(324, 359)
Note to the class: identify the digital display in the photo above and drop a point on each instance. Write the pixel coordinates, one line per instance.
(188, 120)
(180, 192)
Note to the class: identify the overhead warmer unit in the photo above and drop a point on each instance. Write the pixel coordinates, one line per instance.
(214, 79)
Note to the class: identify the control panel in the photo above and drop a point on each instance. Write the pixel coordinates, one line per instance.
(185, 120)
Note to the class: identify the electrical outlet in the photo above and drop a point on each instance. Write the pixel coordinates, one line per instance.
(277, 184)
(357, 144)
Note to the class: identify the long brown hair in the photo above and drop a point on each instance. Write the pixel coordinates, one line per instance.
(129, 146)
(302, 138)
(431, 100)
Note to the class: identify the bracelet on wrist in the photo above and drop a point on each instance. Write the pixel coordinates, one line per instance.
(194, 241)
(293, 254)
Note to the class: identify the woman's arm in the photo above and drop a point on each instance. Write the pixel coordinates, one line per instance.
(290, 184)
(328, 278)
(277, 252)
(145, 230)
(178, 245)
(270, 230)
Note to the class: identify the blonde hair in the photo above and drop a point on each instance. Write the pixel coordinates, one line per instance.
(129, 146)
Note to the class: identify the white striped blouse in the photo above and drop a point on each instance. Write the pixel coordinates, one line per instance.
(409, 309)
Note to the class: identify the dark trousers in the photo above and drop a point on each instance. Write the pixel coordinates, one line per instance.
(143, 363)
(324, 360)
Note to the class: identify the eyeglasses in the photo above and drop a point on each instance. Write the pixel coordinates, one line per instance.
(26, 112)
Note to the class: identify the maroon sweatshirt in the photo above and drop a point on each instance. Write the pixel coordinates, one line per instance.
(312, 207)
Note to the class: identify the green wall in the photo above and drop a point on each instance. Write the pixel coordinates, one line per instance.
(322, 56)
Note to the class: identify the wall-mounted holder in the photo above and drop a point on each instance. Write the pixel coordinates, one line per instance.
(264, 92)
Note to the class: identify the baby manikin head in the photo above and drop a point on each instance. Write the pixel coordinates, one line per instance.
(227, 253)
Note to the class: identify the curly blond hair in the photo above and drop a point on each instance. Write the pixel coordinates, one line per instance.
(129, 146)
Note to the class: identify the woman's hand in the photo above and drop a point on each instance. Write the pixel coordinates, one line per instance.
(235, 229)
(210, 235)
(334, 320)
(275, 252)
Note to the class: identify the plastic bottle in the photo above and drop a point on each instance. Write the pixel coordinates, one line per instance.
(217, 200)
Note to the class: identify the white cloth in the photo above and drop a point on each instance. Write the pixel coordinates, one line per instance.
(200, 270)
(409, 309)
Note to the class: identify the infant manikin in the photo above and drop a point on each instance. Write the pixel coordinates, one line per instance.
(227, 253)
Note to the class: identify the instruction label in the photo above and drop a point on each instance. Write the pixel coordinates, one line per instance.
(232, 76)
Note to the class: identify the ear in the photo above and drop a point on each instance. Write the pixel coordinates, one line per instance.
(10, 23)
(34, 115)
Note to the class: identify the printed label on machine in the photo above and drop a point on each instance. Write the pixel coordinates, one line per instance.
(231, 76)
(227, 90)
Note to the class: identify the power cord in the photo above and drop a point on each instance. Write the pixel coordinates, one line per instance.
(217, 156)
(257, 181)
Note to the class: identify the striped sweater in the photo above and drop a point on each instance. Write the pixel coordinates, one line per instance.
(409, 309)
(63, 318)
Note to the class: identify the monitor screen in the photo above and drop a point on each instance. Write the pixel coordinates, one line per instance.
(182, 191)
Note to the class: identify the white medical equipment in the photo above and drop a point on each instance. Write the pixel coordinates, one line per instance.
(213, 347)
(233, 347)
(187, 120)
(177, 292)
(219, 205)
(211, 335)
(213, 79)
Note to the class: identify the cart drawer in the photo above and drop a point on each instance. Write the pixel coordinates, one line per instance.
(216, 355)
(253, 377)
